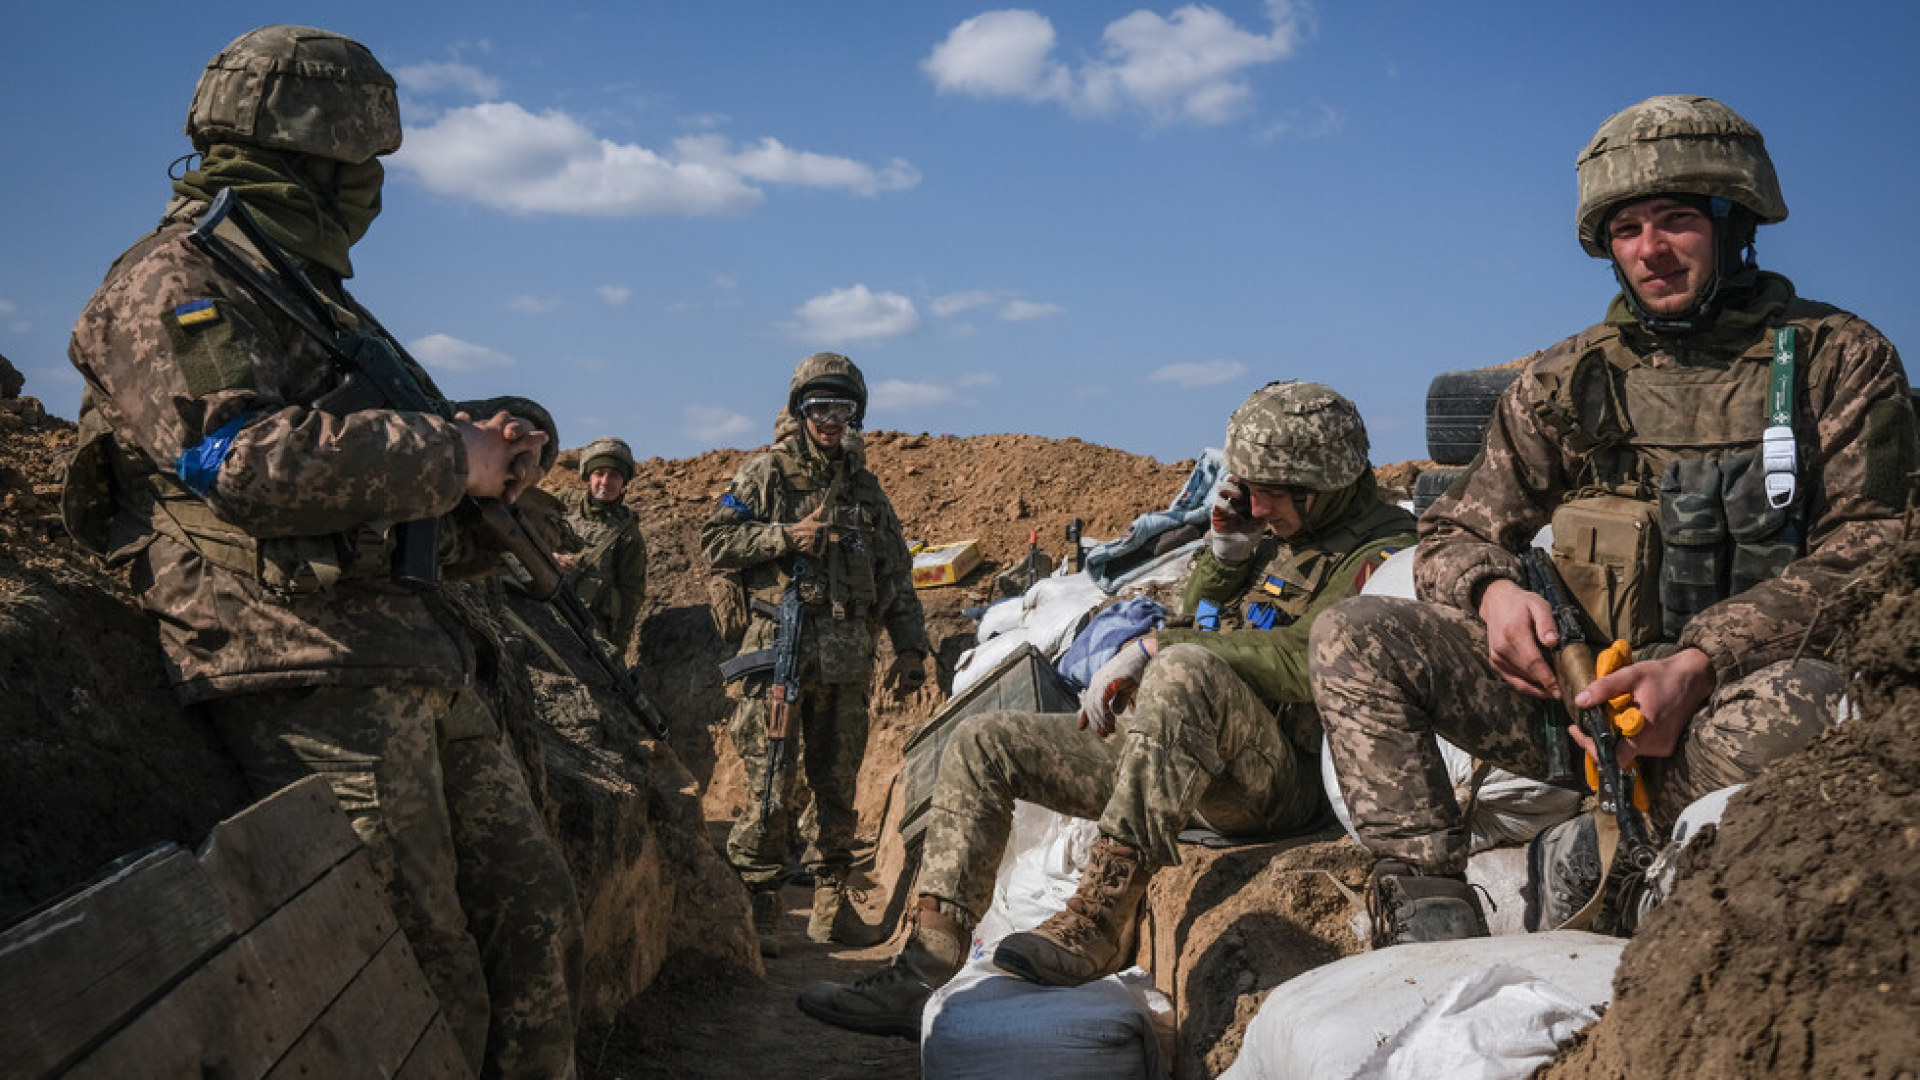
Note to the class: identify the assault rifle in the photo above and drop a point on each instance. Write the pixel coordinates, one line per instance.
(1573, 662)
(379, 372)
(783, 659)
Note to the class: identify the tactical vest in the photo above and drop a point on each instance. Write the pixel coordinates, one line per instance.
(842, 577)
(1670, 513)
(1285, 588)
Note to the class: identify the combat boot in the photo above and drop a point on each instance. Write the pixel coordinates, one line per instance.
(1406, 906)
(1093, 937)
(1563, 873)
(835, 919)
(766, 920)
(890, 1001)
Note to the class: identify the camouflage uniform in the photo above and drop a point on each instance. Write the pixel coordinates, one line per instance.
(257, 525)
(862, 582)
(1222, 730)
(1622, 408)
(610, 573)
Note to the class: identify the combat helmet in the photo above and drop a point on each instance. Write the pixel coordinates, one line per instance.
(297, 89)
(609, 453)
(1297, 434)
(826, 374)
(1673, 145)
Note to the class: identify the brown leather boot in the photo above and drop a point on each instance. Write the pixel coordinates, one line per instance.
(1093, 937)
(766, 920)
(890, 1001)
(835, 918)
(1407, 906)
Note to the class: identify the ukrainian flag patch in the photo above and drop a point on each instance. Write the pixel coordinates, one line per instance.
(196, 313)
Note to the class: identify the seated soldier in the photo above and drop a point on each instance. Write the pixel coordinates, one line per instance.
(1212, 725)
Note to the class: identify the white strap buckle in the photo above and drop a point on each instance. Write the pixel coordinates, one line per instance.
(1778, 455)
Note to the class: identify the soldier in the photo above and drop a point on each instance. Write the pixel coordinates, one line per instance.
(610, 571)
(1216, 724)
(253, 490)
(807, 513)
(1756, 444)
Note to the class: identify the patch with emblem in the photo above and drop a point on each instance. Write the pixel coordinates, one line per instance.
(1367, 568)
(204, 349)
(196, 313)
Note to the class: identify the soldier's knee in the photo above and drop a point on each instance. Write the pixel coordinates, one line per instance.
(1338, 628)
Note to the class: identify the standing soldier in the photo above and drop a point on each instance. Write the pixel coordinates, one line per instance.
(1715, 457)
(1221, 725)
(807, 515)
(609, 573)
(254, 490)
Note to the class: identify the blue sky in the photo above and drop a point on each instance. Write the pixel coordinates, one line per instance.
(1109, 222)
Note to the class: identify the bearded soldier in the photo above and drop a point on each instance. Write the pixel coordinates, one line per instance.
(253, 486)
(1214, 721)
(1715, 457)
(609, 572)
(806, 515)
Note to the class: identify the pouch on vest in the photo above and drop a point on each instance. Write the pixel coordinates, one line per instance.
(1693, 531)
(727, 604)
(87, 505)
(1607, 548)
(1765, 537)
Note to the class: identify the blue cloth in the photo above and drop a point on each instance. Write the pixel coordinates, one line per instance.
(1114, 626)
(199, 466)
(1108, 563)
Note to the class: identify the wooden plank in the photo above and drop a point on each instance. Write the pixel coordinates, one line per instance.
(78, 969)
(436, 1056)
(263, 856)
(248, 1004)
(372, 1027)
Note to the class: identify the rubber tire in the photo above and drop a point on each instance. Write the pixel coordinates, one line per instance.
(1459, 407)
(1431, 484)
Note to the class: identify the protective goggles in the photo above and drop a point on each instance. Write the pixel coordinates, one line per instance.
(828, 410)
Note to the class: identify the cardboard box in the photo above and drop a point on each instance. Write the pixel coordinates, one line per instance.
(945, 564)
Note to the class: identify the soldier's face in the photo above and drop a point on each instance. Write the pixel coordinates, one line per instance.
(827, 432)
(1664, 248)
(605, 485)
(1277, 507)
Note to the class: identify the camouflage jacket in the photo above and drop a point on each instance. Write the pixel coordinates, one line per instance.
(180, 358)
(862, 581)
(1570, 416)
(610, 574)
(1299, 579)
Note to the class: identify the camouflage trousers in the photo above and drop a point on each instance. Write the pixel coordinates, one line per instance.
(1197, 743)
(440, 802)
(826, 742)
(1393, 675)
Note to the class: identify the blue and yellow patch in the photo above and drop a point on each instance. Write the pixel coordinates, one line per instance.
(196, 313)
(1273, 585)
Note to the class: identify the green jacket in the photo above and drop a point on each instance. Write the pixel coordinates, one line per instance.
(610, 573)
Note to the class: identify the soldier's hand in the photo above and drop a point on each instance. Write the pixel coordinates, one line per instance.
(1668, 691)
(907, 674)
(1232, 533)
(805, 534)
(503, 454)
(563, 560)
(1110, 692)
(1518, 623)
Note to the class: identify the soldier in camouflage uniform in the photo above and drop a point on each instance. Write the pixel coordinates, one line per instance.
(609, 573)
(806, 512)
(255, 502)
(1220, 729)
(1668, 416)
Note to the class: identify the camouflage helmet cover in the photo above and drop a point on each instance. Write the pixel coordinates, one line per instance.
(1675, 144)
(833, 374)
(298, 89)
(609, 453)
(1297, 434)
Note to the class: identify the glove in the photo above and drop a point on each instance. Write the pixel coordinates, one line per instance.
(907, 674)
(1233, 535)
(805, 534)
(1111, 690)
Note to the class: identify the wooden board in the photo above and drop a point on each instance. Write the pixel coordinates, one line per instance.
(372, 1027)
(260, 857)
(83, 965)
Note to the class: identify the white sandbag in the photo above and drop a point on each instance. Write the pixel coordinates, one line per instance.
(1502, 873)
(1057, 609)
(984, 658)
(1487, 1007)
(1000, 617)
(1039, 871)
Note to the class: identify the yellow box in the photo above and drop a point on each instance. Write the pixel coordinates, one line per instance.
(945, 564)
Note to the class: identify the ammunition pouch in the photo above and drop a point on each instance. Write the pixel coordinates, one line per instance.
(1607, 548)
(1720, 533)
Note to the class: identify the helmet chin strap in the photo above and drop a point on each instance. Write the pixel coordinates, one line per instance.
(1731, 258)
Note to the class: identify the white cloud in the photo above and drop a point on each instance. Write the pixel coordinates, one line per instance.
(855, 314)
(896, 394)
(1203, 373)
(532, 305)
(432, 78)
(1188, 66)
(503, 156)
(1027, 311)
(953, 304)
(443, 352)
(770, 162)
(614, 295)
(710, 424)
